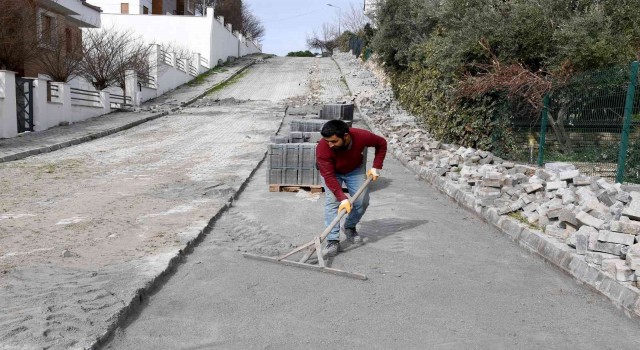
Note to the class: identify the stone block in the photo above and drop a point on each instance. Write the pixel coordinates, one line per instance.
(568, 197)
(567, 216)
(531, 207)
(554, 185)
(517, 205)
(615, 237)
(492, 183)
(580, 241)
(602, 183)
(623, 197)
(542, 174)
(628, 227)
(623, 272)
(609, 266)
(586, 219)
(569, 175)
(558, 167)
(633, 210)
(555, 231)
(611, 248)
(606, 198)
(633, 257)
(582, 180)
(531, 188)
(487, 192)
(585, 194)
(440, 171)
(554, 213)
(597, 257)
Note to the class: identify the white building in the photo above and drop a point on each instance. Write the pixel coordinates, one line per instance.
(206, 35)
(147, 7)
(370, 8)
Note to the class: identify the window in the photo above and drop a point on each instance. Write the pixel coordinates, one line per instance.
(68, 40)
(124, 8)
(46, 29)
(145, 10)
(46, 32)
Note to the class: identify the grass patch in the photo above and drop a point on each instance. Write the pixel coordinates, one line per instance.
(518, 216)
(344, 81)
(228, 82)
(202, 77)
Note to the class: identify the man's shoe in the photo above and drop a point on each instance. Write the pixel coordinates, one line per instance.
(352, 236)
(331, 249)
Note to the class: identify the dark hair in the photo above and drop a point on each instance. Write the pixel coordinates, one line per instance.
(334, 127)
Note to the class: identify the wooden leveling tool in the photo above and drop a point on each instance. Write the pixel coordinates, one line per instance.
(315, 247)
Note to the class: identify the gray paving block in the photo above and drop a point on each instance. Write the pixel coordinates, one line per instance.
(290, 176)
(307, 125)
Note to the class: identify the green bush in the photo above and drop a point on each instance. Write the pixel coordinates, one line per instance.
(306, 53)
(429, 47)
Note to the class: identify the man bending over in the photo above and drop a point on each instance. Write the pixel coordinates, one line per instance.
(339, 159)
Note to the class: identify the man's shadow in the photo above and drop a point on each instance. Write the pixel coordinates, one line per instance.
(375, 230)
(379, 184)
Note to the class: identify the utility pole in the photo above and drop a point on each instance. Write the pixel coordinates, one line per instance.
(339, 18)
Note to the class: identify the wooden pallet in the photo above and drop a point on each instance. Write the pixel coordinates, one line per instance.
(295, 188)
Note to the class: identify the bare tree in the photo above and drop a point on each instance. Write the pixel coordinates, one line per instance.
(19, 37)
(62, 57)
(354, 19)
(182, 52)
(109, 53)
(251, 25)
(325, 39)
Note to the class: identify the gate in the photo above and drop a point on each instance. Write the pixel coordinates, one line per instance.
(24, 104)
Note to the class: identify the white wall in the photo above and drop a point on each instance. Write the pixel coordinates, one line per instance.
(64, 108)
(190, 31)
(224, 43)
(204, 35)
(113, 6)
(8, 118)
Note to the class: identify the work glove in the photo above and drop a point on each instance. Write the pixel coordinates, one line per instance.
(346, 205)
(373, 172)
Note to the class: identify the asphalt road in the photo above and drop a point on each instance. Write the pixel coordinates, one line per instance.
(439, 278)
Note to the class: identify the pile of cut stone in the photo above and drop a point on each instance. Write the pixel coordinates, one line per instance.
(291, 158)
(598, 219)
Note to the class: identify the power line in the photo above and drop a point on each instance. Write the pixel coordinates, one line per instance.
(292, 17)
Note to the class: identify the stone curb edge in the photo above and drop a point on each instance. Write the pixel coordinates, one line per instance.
(97, 135)
(550, 249)
(153, 284)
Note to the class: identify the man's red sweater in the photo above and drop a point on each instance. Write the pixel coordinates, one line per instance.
(331, 162)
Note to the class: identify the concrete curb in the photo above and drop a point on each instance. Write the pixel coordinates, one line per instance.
(107, 132)
(156, 282)
(557, 253)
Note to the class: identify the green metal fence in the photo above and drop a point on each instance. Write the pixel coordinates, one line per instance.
(356, 45)
(592, 122)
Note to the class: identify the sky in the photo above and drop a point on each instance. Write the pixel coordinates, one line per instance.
(287, 22)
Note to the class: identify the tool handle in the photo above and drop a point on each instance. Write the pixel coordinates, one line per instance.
(342, 213)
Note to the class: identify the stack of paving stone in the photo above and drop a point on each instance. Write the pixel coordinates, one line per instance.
(307, 125)
(598, 219)
(339, 111)
(292, 164)
(297, 137)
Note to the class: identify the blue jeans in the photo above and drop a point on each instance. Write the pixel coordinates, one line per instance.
(353, 180)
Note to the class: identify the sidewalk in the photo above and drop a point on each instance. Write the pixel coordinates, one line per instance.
(64, 136)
